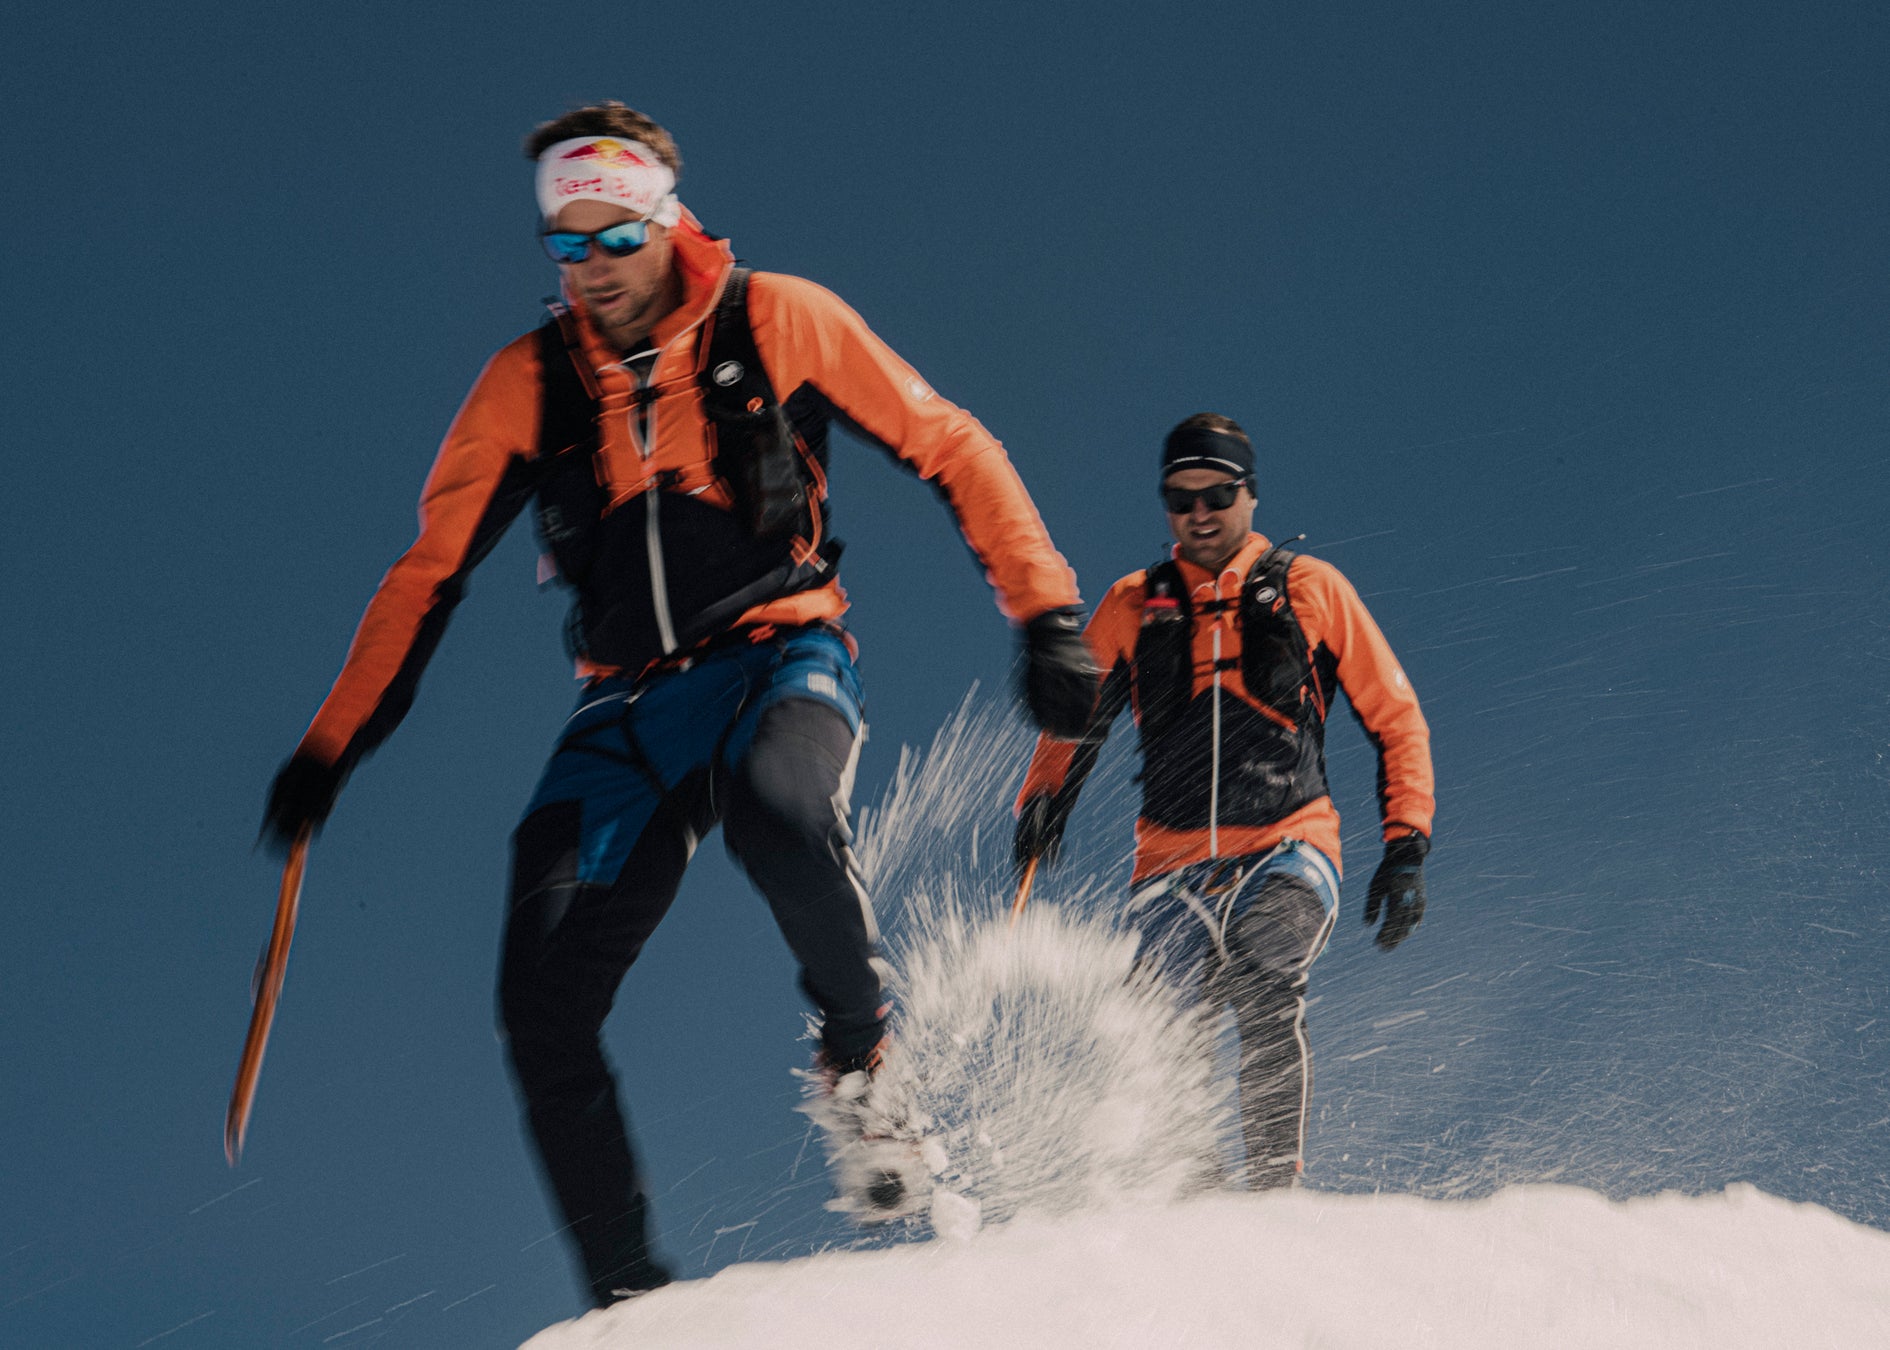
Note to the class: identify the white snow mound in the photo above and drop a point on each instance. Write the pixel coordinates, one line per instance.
(1530, 1266)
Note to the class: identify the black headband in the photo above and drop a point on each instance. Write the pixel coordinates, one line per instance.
(1202, 448)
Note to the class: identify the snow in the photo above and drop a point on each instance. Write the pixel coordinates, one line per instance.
(1052, 1072)
(1076, 1116)
(1529, 1266)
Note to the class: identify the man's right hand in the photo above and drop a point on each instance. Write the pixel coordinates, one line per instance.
(300, 799)
(1060, 676)
(1039, 830)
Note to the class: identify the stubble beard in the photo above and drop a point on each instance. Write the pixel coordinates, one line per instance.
(644, 309)
(1210, 562)
(634, 320)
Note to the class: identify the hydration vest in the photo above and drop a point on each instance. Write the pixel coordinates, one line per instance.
(664, 572)
(1266, 767)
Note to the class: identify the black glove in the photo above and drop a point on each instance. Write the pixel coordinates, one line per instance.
(1040, 825)
(1398, 889)
(1059, 675)
(300, 799)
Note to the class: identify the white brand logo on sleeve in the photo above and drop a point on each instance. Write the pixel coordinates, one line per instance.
(727, 373)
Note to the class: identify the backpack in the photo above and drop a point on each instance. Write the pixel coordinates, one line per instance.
(1275, 660)
(770, 455)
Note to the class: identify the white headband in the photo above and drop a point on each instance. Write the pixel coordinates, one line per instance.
(610, 169)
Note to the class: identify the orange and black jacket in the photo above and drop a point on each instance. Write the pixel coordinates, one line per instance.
(654, 456)
(1221, 783)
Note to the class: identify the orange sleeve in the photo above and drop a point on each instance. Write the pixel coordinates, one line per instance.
(807, 335)
(1332, 615)
(1058, 765)
(479, 482)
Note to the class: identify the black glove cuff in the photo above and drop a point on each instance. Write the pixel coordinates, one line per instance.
(1055, 623)
(302, 795)
(1407, 851)
(1040, 822)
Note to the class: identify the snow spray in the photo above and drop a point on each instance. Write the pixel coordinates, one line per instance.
(1049, 1070)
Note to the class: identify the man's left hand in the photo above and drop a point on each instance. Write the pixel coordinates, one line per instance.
(1059, 674)
(1397, 889)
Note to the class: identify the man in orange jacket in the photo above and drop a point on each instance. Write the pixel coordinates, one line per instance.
(669, 426)
(1231, 652)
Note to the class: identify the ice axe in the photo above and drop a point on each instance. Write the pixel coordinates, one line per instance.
(268, 988)
(1023, 891)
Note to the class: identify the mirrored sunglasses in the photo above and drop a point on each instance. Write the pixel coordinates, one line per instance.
(618, 241)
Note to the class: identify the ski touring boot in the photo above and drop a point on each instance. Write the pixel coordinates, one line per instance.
(874, 1136)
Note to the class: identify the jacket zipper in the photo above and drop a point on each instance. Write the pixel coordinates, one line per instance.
(1214, 774)
(643, 430)
(1214, 761)
(659, 583)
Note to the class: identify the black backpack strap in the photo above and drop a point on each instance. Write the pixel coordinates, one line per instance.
(756, 450)
(1275, 659)
(570, 501)
(1270, 569)
(1163, 669)
(734, 381)
(567, 405)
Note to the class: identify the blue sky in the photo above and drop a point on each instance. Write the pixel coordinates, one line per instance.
(1561, 329)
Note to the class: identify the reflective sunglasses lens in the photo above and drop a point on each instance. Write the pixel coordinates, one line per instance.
(565, 247)
(620, 241)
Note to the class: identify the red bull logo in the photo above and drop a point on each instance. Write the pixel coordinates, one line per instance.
(610, 153)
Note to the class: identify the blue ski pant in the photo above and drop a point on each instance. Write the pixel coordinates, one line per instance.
(759, 737)
(1242, 933)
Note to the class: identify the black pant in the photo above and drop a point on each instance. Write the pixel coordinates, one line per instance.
(1269, 948)
(570, 940)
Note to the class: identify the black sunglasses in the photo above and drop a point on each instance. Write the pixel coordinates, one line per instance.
(1180, 501)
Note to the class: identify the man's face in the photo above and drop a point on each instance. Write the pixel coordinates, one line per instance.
(624, 296)
(1208, 538)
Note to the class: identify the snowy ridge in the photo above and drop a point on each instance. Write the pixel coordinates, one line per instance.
(1532, 1266)
(1074, 1106)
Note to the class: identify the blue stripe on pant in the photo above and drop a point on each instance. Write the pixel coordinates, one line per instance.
(1243, 933)
(759, 737)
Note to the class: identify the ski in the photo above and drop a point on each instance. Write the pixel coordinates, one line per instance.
(267, 989)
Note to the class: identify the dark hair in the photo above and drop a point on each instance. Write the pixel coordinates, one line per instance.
(1206, 421)
(605, 119)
